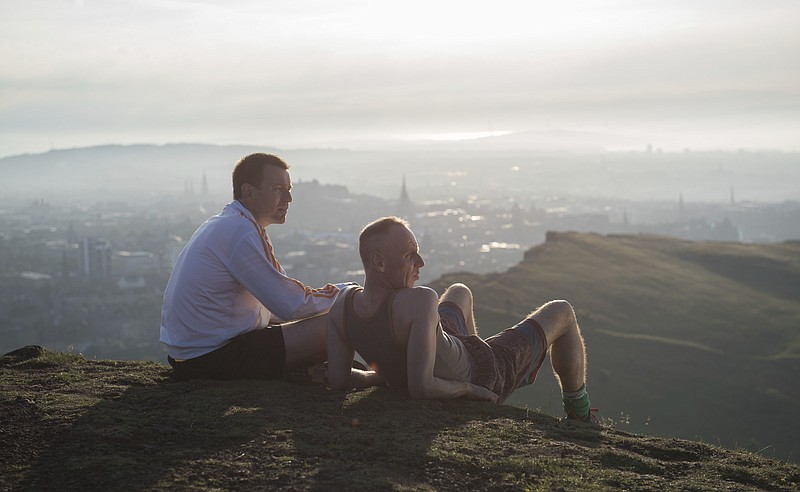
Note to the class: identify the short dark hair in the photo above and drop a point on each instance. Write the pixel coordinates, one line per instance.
(250, 170)
(367, 238)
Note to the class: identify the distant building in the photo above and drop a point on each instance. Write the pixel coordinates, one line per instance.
(725, 231)
(95, 258)
(204, 189)
(405, 207)
(172, 248)
(135, 263)
(131, 282)
(36, 276)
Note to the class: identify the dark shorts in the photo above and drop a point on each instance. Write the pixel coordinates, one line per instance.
(503, 362)
(257, 354)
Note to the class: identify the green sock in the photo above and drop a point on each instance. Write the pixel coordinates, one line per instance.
(576, 403)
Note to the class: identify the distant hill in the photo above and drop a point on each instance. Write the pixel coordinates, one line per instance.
(68, 423)
(123, 171)
(136, 172)
(687, 339)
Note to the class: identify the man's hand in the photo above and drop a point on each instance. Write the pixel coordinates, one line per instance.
(481, 393)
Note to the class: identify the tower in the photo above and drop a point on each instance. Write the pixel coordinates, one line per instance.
(405, 207)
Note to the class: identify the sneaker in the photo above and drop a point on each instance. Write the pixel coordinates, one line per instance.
(590, 417)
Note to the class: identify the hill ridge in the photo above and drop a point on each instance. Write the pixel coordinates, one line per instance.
(696, 340)
(83, 424)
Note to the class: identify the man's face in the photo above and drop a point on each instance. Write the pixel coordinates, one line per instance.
(269, 202)
(402, 259)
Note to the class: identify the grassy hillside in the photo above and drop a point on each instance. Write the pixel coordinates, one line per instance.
(67, 423)
(686, 339)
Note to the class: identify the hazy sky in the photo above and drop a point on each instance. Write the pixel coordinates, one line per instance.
(674, 73)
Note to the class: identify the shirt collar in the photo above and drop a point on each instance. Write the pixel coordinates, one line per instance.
(237, 206)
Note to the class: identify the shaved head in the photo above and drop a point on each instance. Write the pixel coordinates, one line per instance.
(371, 237)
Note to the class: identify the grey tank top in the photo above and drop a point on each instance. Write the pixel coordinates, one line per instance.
(375, 340)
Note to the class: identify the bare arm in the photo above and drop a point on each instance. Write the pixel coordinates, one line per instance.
(420, 307)
(341, 374)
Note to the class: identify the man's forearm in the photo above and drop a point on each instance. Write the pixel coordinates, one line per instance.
(443, 389)
(439, 389)
(364, 379)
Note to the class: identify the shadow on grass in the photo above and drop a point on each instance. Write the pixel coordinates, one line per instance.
(131, 430)
(192, 434)
(386, 440)
(383, 440)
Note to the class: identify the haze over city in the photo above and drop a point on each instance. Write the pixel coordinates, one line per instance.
(650, 147)
(366, 75)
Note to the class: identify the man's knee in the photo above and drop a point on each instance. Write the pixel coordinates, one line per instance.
(559, 308)
(556, 316)
(458, 290)
(565, 308)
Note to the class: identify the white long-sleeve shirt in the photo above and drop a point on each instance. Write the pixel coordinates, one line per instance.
(226, 282)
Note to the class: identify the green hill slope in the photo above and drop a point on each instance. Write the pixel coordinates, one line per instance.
(687, 339)
(67, 423)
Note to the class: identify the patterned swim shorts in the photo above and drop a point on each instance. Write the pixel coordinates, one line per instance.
(452, 318)
(503, 362)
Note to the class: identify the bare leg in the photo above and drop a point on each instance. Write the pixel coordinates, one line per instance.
(462, 296)
(567, 351)
(305, 341)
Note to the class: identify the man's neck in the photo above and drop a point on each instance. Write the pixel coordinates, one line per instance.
(252, 214)
(374, 292)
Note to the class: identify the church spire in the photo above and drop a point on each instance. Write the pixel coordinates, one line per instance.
(405, 207)
(404, 192)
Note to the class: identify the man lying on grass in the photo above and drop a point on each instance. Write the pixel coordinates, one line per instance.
(411, 338)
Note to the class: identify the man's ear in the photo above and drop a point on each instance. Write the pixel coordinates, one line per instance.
(377, 260)
(247, 191)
